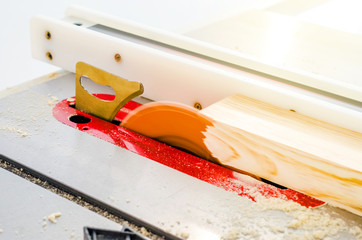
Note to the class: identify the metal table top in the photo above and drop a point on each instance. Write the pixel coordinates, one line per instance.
(160, 196)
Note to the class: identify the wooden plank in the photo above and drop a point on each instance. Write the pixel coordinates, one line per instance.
(283, 146)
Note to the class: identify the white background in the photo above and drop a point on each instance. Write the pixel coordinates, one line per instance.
(16, 63)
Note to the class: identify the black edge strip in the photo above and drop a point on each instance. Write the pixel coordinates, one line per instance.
(67, 189)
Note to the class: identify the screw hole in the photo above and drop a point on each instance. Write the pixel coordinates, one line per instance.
(79, 119)
(49, 56)
(198, 106)
(48, 35)
(117, 57)
(85, 128)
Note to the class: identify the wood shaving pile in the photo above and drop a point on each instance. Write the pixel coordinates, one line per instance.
(267, 219)
(319, 222)
(304, 223)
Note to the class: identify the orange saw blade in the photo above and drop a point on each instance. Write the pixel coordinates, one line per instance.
(177, 125)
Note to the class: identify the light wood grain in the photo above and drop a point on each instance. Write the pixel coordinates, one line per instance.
(293, 150)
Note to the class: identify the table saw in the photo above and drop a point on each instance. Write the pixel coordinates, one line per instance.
(226, 131)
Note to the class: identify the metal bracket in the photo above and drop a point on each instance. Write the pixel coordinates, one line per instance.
(124, 91)
(126, 233)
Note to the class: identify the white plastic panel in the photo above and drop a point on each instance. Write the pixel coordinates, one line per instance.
(174, 76)
(269, 29)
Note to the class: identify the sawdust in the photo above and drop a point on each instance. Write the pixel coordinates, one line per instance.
(12, 129)
(18, 121)
(355, 230)
(44, 222)
(306, 218)
(53, 217)
(232, 234)
(53, 100)
(71, 99)
(184, 235)
(266, 219)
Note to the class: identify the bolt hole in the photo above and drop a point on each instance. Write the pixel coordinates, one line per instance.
(85, 128)
(79, 119)
(48, 35)
(49, 56)
(78, 24)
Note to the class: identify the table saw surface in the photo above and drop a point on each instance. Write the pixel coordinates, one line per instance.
(163, 197)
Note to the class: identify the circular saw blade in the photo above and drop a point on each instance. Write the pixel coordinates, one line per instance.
(174, 124)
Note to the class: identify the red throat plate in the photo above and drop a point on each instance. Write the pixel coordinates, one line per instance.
(170, 156)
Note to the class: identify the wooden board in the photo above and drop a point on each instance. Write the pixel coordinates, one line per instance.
(283, 146)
